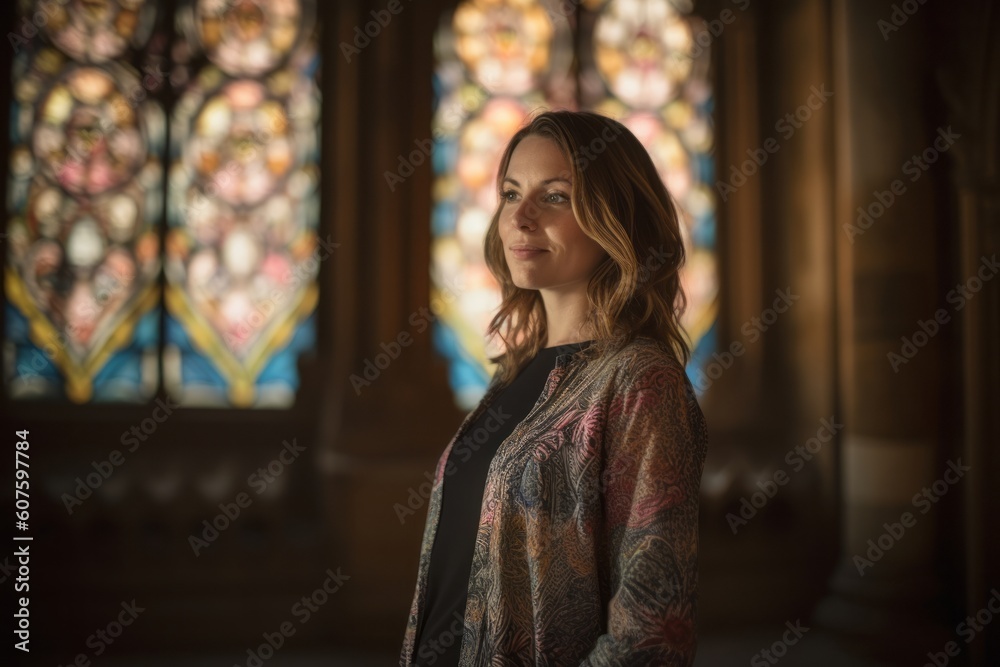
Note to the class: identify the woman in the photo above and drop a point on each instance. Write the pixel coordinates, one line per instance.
(562, 527)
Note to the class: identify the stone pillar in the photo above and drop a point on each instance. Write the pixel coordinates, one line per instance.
(970, 72)
(378, 440)
(884, 589)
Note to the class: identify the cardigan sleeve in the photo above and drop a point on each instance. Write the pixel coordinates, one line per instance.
(655, 447)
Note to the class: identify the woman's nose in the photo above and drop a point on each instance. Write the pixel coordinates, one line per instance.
(525, 213)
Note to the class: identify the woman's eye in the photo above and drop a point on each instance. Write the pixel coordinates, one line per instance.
(556, 197)
(508, 195)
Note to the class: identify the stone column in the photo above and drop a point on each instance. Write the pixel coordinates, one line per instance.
(889, 157)
(969, 84)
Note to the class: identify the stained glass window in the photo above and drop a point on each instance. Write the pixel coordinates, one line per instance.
(242, 253)
(92, 174)
(497, 60)
(84, 200)
(644, 67)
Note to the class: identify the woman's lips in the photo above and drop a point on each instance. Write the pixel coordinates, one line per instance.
(525, 253)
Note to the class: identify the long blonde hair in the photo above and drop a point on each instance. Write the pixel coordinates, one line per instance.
(620, 202)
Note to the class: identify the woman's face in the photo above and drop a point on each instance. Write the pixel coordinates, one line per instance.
(537, 212)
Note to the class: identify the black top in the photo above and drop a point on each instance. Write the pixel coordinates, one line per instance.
(440, 639)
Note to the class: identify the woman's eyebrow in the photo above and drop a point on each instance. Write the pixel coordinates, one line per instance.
(545, 182)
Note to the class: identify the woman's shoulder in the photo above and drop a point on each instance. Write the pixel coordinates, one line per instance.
(643, 355)
(646, 364)
(619, 367)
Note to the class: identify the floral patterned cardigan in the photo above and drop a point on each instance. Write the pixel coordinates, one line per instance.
(586, 552)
